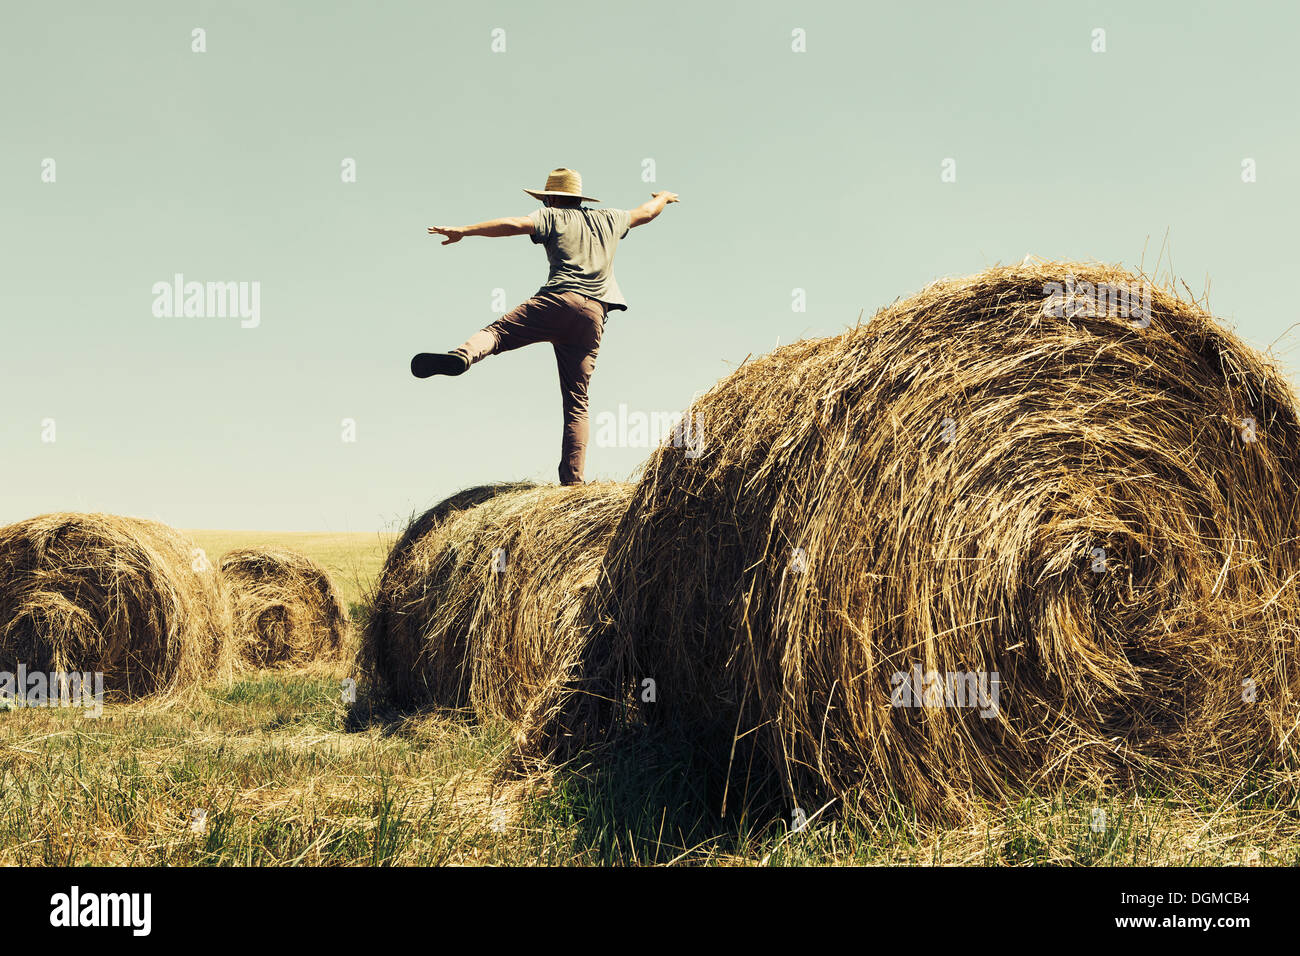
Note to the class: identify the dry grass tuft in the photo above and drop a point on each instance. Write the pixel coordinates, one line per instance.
(933, 490)
(287, 611)
(125, 596)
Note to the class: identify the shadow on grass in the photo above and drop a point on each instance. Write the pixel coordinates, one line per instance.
(370, 712)
(644, 797)
(649, 797)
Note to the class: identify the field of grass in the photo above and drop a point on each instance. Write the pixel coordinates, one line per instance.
(270, 770)
(276, 769)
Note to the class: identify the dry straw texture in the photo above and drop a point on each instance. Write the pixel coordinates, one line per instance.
(125, 596)
(837, 531)
(485, 608)
(287, 610)
(392, 642)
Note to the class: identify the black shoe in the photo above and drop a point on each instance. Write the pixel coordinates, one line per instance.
(439, 363)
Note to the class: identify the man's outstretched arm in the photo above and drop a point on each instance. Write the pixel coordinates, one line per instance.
(510, 226)
(649, 210)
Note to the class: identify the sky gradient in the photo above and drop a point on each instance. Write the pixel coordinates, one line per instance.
(816, 170)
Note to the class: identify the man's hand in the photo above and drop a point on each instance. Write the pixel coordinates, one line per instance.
(509, 226)
(647, 211)
(452, 233)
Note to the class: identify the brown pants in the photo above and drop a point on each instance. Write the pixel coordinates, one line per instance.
(573, 324)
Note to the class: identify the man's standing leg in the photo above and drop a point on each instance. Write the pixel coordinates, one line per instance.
(575, 359)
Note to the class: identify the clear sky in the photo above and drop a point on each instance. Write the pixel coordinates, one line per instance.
(817, 170)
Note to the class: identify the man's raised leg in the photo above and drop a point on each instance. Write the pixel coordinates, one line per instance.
(522, 325)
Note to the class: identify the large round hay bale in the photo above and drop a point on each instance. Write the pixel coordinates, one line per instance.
(286, 609)
(486, 609)
(1099, 512)
(127, 597)
(388, 645)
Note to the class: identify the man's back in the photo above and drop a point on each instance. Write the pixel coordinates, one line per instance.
(580, 245)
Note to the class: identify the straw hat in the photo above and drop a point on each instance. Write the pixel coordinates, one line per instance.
(562, 182)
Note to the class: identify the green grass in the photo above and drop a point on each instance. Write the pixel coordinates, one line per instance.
(287, 776)
(268, 759)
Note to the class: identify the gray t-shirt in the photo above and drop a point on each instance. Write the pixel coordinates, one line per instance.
(580, 244)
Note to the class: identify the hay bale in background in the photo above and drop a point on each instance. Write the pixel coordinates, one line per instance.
(485, 609)
(1103, 514)
(125, 596)
(286, 609)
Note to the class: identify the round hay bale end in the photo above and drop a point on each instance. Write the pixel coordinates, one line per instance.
(1004, 535)
(286, 610)
(389, 645)
(487, 609)
(127, 597)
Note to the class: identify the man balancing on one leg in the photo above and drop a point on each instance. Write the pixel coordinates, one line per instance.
(569, 311)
